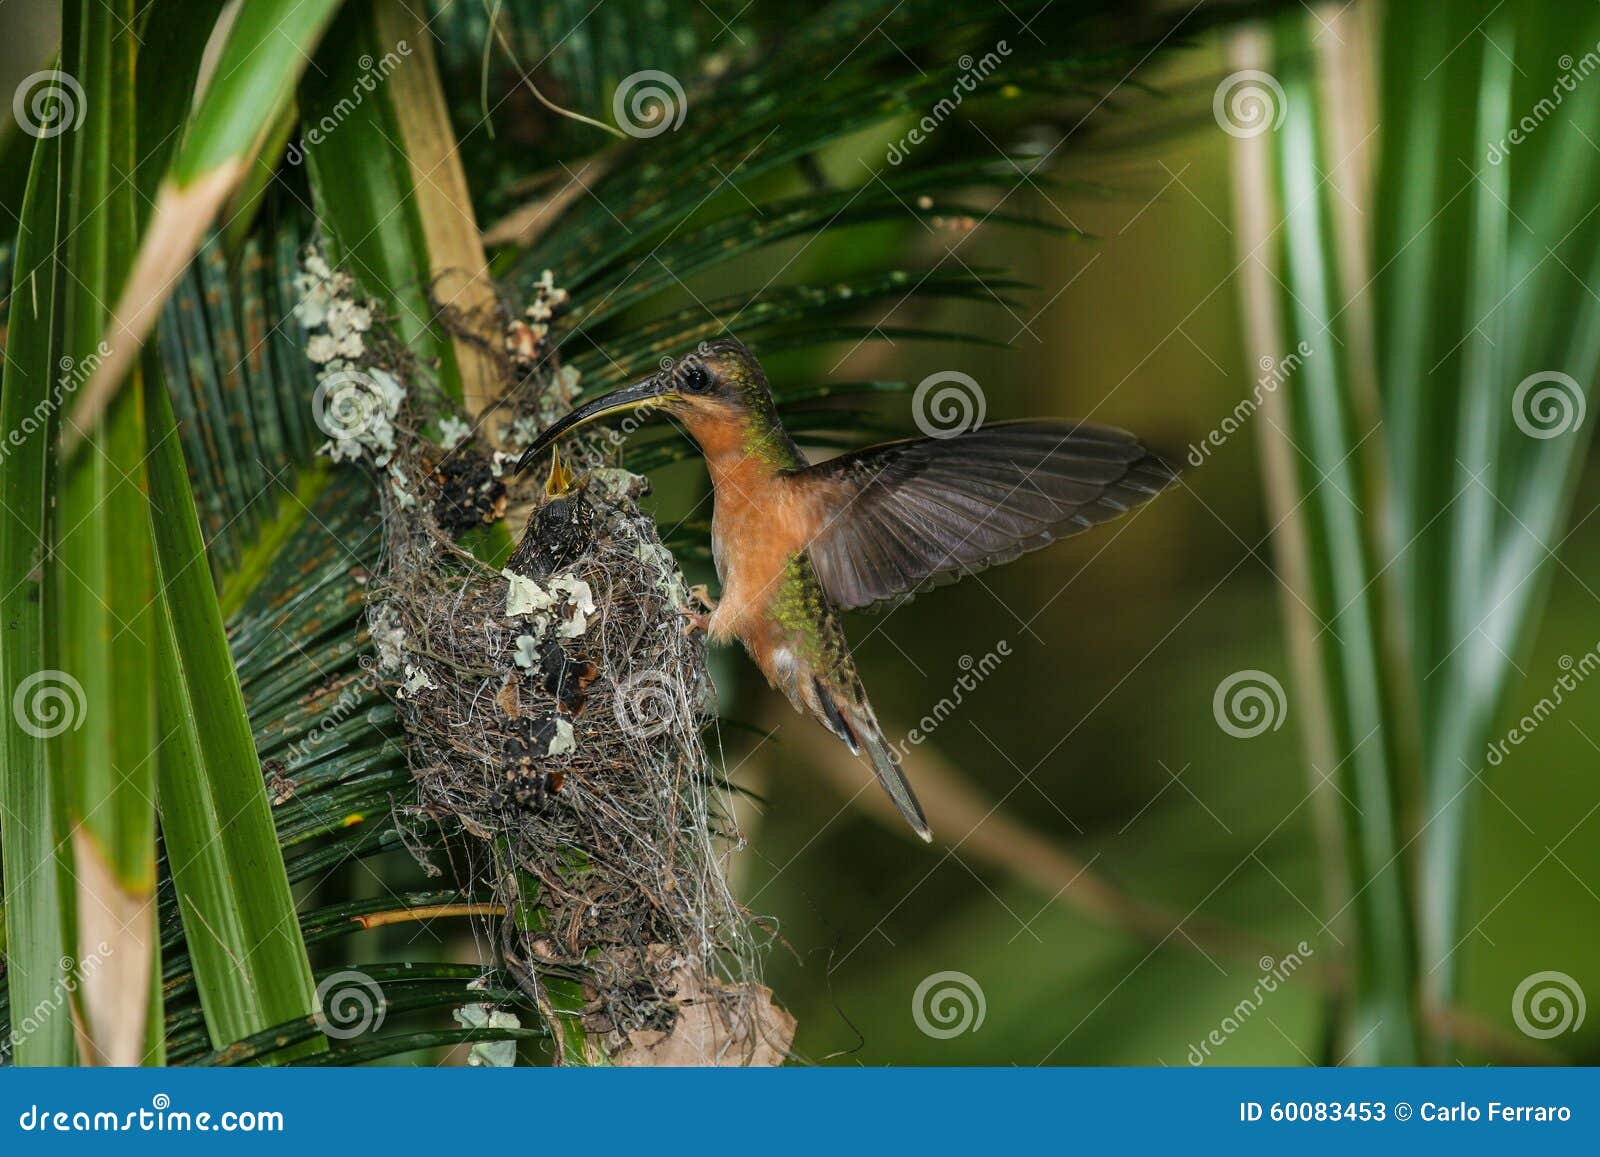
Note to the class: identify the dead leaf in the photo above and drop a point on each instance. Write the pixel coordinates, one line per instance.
(116, 935)
(455, 246)
(719, 1025)
(177, 223)
(507, 699)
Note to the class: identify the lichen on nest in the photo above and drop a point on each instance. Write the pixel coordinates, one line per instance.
(553, 707)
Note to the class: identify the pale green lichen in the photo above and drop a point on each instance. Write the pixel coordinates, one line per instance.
(524, 596)
(494, 1054)
(564, 741)
(453, 431)
(580, 600)
(388, 639)
(417, 681)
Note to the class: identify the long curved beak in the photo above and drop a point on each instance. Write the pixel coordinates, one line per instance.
(648, 392)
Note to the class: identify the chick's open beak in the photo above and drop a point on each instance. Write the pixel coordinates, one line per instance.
(651, 391)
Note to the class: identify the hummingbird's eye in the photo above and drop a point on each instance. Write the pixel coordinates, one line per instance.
(696, 378)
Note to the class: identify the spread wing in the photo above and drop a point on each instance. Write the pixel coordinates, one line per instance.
(907, 515)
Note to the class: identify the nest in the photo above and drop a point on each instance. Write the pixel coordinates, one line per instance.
(553, 712)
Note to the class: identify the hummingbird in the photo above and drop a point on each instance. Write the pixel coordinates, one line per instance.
(796, 544)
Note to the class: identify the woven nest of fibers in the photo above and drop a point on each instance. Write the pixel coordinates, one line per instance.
(553, 711)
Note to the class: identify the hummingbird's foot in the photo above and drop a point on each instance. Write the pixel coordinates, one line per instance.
(701, 594)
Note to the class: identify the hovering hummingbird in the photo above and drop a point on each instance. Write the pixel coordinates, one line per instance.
(795, 544)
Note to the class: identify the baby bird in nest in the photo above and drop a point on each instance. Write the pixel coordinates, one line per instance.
(796, 544)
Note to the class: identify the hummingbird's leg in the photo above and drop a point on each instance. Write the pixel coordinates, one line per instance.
(699, 622)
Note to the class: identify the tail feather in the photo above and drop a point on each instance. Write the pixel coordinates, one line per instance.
(834, 718)
(858, 727)
(887, 766)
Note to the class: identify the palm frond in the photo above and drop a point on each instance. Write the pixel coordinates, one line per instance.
(681, 205)
(1439, 422)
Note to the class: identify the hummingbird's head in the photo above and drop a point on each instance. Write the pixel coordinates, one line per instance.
(720, 386)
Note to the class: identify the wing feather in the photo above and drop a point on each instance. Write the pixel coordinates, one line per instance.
(907, 515)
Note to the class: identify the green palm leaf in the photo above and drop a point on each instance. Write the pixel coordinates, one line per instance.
(1439, 423)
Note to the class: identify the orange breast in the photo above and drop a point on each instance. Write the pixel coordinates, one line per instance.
(760, 522)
